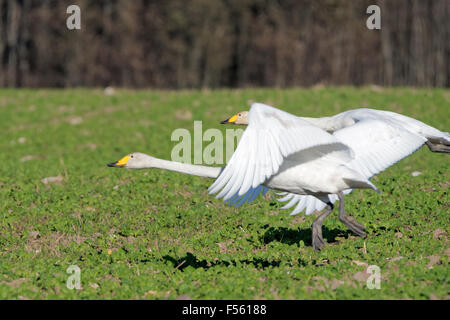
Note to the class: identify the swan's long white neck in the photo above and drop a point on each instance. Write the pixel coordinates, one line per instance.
(191, 169)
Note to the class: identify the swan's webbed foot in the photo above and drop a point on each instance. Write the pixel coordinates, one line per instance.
(349, 221)
(438, 145)
(317, 240)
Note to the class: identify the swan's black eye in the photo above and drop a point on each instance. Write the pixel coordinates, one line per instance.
(132, 156)
(240, 114)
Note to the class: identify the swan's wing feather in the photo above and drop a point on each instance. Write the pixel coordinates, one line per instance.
(308, 202)
(350, 117)
(270, 137)
(302, 202)
(378, 144)
(249, 196)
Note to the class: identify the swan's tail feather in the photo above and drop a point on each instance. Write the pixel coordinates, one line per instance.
(361, 184)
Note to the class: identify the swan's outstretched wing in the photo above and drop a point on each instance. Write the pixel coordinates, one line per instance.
(270, 137)
(377, 144)
(349, 118)
(437, 141)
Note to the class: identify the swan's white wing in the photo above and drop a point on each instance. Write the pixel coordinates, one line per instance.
(271, 136)
(350, 117)
(378, 145)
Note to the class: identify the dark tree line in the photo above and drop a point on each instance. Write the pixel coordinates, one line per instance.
(224, 43)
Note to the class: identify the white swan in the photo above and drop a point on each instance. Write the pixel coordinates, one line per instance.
(375, 136)
(283, 152)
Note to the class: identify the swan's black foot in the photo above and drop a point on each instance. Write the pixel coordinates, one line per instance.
(317, 239)
(353, 225)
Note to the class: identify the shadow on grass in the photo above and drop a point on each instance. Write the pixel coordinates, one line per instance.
(190, 260)
(283, 235)
(292, 236)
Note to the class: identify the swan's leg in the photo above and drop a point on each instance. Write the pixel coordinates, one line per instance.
(349, 221)
(317, 239)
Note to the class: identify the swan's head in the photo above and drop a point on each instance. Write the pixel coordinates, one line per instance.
(238, 118)
(135, 160)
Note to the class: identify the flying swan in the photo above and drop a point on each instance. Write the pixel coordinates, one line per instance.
(301, 158)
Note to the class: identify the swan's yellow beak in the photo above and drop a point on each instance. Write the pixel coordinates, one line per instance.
(121, 163)
(230, 120)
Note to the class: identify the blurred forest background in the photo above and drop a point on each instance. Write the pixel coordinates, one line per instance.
(224, 43)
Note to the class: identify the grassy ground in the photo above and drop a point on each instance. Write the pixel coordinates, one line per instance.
(158, 235)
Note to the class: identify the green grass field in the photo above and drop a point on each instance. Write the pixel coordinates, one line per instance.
(158, 235)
